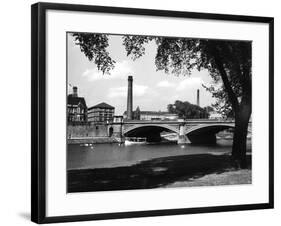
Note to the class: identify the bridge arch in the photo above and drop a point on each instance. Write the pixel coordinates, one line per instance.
(205, 134)
(163, 126)
(213, 127)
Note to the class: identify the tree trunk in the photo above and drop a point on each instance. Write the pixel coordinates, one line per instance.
(239, 147)
(243, 109)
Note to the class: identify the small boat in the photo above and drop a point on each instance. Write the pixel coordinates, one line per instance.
(86, 145)
(135, 140)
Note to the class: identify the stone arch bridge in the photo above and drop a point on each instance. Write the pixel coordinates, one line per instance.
(189, 131)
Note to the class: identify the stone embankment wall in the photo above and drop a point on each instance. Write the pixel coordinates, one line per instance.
(93, 140)
(87, 131)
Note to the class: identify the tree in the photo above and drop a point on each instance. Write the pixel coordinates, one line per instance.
(229, 63)
(94, 46)
(222, 104)
(186, 110)
(208, 109)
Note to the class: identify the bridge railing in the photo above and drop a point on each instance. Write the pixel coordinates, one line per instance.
(177, 121)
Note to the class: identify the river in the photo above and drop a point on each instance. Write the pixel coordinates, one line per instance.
(113, 155)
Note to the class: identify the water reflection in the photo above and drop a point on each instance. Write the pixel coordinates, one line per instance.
(112, 155)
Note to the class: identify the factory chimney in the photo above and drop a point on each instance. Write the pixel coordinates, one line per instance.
(130, 98)
(75, 91)
(198, 97)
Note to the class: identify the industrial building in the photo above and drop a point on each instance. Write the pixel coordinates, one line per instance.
(76, 107)
(101, 113)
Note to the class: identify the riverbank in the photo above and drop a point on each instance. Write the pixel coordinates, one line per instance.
(175, 171)
(242, 176)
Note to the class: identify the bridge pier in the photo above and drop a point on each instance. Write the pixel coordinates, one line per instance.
(182, 138)
(118, 132)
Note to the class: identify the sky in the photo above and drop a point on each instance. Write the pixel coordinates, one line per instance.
(152, 90)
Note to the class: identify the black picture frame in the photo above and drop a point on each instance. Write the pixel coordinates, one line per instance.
(38, 110)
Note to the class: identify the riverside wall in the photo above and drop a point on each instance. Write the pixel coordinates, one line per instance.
(87, 131)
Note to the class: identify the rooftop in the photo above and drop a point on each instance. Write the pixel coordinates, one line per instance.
(156, 113)
(102, 105)
(75, 100)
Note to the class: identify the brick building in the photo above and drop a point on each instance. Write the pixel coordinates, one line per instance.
(101, 113)
(76, 107)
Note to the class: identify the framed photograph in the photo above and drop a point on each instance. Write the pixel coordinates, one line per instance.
(140, 112)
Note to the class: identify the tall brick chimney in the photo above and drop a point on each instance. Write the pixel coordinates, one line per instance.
(198, 97)
(75, 91)
(130, 98)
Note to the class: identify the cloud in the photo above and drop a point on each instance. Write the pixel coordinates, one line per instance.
(121, 70)
(69, 88)
(138, 91)
(165, 84)
(190, 81)
(117, 92)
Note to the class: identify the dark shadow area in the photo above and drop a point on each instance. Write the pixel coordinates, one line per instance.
(150, 174)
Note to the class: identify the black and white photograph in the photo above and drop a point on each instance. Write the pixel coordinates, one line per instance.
(147, 112)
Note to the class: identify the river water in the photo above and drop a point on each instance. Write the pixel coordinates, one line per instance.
(113, 155)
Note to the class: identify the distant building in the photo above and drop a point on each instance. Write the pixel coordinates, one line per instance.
(152, 115)
(137, 114)
(215, 115)
(157, 115)
(101, 113)
(76, 107)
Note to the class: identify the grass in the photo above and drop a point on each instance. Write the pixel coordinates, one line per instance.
(234, 176)
(175, 171)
